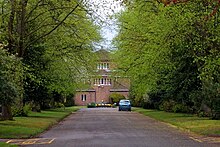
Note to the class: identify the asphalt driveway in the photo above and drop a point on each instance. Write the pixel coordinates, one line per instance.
(103, 127)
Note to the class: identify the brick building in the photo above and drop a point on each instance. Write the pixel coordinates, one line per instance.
(103, 83)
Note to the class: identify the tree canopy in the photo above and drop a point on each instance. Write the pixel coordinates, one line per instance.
(53, 41)
(171, 53)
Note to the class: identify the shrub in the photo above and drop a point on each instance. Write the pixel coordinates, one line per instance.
(148, 105)
(203, 114)
(167, 105)
(180, 108)
(22, 111)
(91, 105)
(216, 115)
(116, 97)
(11, 77)
(69, 100)
(154, 99)
(58, 105)
(27, 109)
(151, 104)
(114, 105)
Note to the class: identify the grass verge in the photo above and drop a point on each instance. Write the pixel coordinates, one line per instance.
(2, 144)
(188, 122)
(35, 123)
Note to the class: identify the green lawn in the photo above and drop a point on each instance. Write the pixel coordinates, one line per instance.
(188, 122)
(35, 123)
(2, 144)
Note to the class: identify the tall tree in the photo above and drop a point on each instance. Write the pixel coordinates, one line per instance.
(177, 45)
(10, 77)
(43, 33)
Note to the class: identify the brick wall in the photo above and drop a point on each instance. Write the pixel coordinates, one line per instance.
(102, 94)
(90, 97)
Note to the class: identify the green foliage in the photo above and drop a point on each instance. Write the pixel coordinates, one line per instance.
(116, 97)
(181, 108)
(91, 105)
(59, 105)
(21, 111)
(168, 106)
(171, 53)
(55, 42)
(152, 100)
(69, 100)
(212, 97)
(142, 50)
(114, 105)
(10, 78)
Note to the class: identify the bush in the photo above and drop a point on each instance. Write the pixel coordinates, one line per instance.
(167, 105)
(116, 97)
(151, 104)
(203, 114)
(216, 115)
(148, 105)
(22, 111)
(69, 100)
(27, 109)
(180, 108)
(58, 105)
(114, 105)
(91, 105)
(154, 99)
(11, 77)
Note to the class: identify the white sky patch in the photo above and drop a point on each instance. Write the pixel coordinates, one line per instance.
(105, 8)
(103, 13)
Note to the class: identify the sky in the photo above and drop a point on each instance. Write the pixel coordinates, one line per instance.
(103, 11)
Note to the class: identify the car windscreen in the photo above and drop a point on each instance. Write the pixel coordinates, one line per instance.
(125, 102)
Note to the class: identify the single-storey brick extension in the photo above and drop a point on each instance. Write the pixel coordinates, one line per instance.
(104, 83)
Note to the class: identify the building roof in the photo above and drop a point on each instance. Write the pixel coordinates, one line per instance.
(103, 55)
(103, 72)
(86, 90)
(119, 90)
(117, 87)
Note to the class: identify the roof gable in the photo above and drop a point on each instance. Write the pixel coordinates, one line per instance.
(103, 55)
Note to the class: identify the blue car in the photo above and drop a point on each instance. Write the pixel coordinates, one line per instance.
(124, 105)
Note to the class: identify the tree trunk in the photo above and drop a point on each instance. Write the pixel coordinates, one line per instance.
(21, 27)
(6, 112)
(11, 27)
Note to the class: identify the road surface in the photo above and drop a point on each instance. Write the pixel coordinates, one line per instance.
(107, 127)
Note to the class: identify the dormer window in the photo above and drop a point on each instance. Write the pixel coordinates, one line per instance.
(103, 65)
(102, 81)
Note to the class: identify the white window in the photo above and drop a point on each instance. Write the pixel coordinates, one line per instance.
(103, 65)
(83, 97)
(95, 81)
(98, 66)
(102, 81)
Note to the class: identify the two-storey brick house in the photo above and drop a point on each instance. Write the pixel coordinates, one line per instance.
(103, 83)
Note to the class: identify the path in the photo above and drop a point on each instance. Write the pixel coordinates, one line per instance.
(98, 127)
